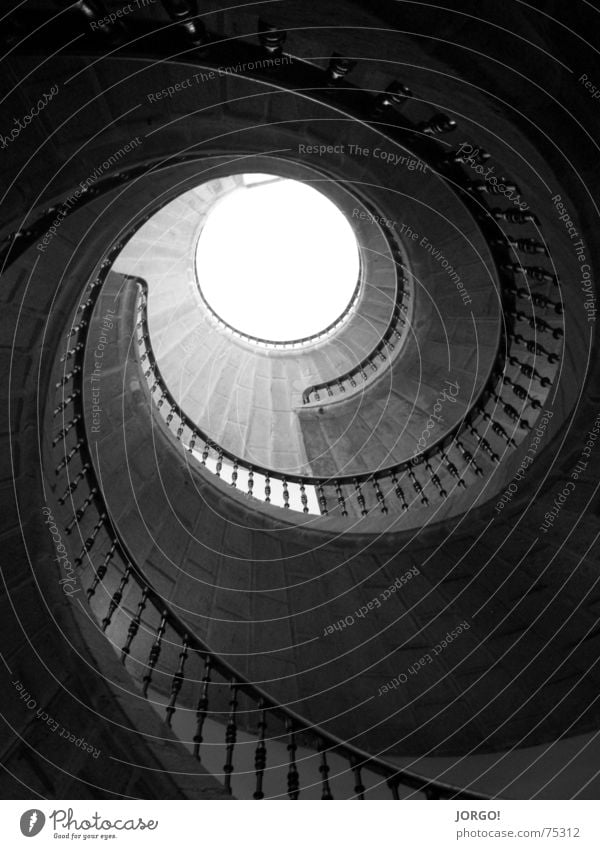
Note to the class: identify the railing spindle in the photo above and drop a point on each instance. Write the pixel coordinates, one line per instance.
(230, 737)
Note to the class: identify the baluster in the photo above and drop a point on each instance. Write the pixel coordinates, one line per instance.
(512, 413)
(469, 459)
(322, 499)
(202, 706)
(64, 404)
(396, 94)
(533, 347)
(379, 496)
(340, 498)
(183, 12)
(520, 392)
(234, 474)
(62, 433)
(267, 488)
(74, 483)
(329, 390)
(459, 157)
(435, 480)
(539, 274)
(438, 124)
(95, 531)
(293, 779)
(431, 793)
(497, 427)
(514, 216)
(507, 187)
(483, 443)
(260, 754)
(67, 377)
(77, 328)
(116, 598)
(271, 39)
(359, 787)
(230, 737)
(339, 66)
(171, 413)
(393, 783)
(340, 385)
(452, 469)
(352, 381)
(68, 457)
(399, 491)
(219, 465)
(541, 326)
(286, 493)
(417, 486)
(154, 654)
(86, 503)
(538, 300)
(317, 395)
(85, 305)
(250, 481)
(529, 371)
(101, 571)
(303, 497)
(360, 498)
(134, 625)
(324, 769)
(528, 246)
(177, 682)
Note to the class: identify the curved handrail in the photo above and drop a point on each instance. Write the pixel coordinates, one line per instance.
(95, 509)
(422, 137)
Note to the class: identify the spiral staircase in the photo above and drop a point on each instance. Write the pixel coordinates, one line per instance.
(263, 536)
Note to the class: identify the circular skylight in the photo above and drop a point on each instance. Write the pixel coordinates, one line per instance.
(277, 260)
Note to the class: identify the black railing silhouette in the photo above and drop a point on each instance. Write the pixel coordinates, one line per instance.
(435, 471)
(134, 616)
(493, 423)
(218, 714)
(379, 359)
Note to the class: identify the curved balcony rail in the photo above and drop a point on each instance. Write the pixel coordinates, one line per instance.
(380, 357)
(256, 747)
(453, 460)
(505, 409)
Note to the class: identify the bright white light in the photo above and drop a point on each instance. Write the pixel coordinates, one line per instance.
(277, 259)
